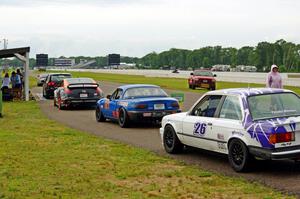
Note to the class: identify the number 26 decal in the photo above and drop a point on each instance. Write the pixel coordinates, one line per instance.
(199, 128)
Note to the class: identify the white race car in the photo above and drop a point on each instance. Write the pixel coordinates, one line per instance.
(243, 123)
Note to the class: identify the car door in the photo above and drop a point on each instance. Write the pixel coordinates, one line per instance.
(197, 125)
(228, 123)
(110, 106)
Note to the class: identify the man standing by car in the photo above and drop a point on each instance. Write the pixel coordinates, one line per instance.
(274, 79)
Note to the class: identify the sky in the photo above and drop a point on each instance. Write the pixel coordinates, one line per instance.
(136, 28)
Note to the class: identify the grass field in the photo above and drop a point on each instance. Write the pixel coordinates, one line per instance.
(170, 83)
(40, 158)
(293, 75)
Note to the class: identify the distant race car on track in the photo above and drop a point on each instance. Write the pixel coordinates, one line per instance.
(243, 123)
(77, 91)
(202, 79)
(136, 102)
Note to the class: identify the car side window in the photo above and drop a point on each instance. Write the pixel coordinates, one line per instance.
(208, 106)
(119, 93)
(231, 108)
(116, 95)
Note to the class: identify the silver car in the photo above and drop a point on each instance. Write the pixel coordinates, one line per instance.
(41, 78)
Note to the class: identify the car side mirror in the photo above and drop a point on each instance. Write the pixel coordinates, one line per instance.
(108, 97)
(215, 75)
(192, 74)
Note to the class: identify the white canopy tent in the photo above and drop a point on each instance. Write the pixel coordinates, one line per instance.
(23, 55)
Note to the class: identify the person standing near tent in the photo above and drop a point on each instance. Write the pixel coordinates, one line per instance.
(15, 80)
(5, 82)
(274, 79)
(21, 77)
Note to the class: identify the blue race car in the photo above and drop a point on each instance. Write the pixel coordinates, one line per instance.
(136, 102)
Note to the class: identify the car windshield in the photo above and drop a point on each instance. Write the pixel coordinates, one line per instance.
(59, 77)
(80, 80)
(203, 73)
(274, 105)
(144, 92)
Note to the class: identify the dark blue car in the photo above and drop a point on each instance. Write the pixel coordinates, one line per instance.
(136, 102)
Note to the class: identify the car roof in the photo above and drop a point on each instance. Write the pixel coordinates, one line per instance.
(248, 91)
(80, 79)
(127, 86)
(59, 73)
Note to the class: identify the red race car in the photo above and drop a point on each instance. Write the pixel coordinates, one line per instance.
(203, 79)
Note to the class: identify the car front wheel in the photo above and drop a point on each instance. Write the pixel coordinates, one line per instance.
(99, 115)
(238, 156)
(170, 140)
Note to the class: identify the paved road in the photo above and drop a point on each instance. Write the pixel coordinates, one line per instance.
(245, 77)
(282, 175)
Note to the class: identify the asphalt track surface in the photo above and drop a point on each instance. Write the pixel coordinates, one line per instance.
(281, 175)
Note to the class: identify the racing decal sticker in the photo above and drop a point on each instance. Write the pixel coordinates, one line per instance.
(220, 136)
(222, 146)
(115, 114)
(106, 104)
(199, 129)
(293, 126)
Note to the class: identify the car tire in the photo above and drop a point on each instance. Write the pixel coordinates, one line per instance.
(99, 115)
(238, 156)
(123, 118)
(212, 88)
(190, 86)
(170, 141)
(45, 94)
(193, 87)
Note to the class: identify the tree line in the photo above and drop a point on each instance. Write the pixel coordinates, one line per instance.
(282, 53)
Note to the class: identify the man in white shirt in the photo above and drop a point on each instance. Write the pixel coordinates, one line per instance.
(5, 82)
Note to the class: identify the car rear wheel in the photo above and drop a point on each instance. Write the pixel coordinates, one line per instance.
(99, 115)
(170, 140)
(123, 118)
(238, 156)
(193, 87)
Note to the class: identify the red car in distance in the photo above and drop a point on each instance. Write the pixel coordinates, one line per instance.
(202, 79)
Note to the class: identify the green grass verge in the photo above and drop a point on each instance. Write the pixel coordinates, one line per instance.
(40, 158)
(164, 82)
(293, 75)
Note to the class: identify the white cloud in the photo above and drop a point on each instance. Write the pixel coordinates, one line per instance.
(136, 28)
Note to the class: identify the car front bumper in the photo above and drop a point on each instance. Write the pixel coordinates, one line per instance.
(150, 115)
(292, 152)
